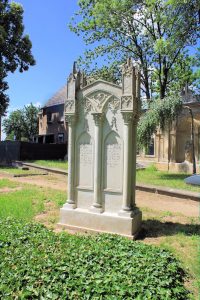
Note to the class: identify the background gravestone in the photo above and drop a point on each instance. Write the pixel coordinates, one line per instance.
(102, 119)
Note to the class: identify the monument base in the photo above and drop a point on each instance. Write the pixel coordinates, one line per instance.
(82, 219)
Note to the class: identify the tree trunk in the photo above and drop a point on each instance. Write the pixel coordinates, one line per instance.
(146, 84)
(162, 91)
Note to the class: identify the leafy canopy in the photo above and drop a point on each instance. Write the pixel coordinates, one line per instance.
(160, 113)
(15, 47)
(22, 123)
(155, 33)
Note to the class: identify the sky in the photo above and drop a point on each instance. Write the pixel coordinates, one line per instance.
(55, 49)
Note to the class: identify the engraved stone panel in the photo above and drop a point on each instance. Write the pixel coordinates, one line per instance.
(113, 162)
(85, 161)
(127, 102)
(70, 106)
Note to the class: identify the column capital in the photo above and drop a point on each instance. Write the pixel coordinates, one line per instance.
(70, 106)
(98, 118)
(70, 119)
(128, 117)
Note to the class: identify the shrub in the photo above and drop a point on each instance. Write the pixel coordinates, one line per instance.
(35, 263)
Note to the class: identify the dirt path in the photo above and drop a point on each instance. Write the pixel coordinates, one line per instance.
(163, 203)
(54, 181)
(7, 190)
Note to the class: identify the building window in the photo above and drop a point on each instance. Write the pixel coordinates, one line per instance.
(61, 138)
(49, 139)
(150, 149)
(49, 117)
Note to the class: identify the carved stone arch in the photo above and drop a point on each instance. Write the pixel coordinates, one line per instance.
(113, 162)
(98, 100)
(84, 160)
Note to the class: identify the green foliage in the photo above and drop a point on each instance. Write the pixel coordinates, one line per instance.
(22, 123)
(15, 47)
(30, 120)
(37, 264)
(156, 34)
(160, 113)
(13, 125)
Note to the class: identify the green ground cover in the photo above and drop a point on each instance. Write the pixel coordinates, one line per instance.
(35, 263)
(58, 164)
(180, 235)
(152, 176)
(55, 267)
(17, 171)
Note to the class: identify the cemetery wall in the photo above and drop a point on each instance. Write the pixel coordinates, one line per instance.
(14, 150)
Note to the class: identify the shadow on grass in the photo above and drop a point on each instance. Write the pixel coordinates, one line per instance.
(173, 176)
(155, 228)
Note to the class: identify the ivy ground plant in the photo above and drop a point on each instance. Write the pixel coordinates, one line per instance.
(35, 263)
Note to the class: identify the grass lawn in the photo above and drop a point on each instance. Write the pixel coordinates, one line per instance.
(58, 164)
(17, 171)
(28, 201)
(146, 176)
(5, 183)
(161, 178)
(35, 263)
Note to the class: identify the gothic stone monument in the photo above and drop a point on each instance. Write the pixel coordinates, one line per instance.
(102, 120)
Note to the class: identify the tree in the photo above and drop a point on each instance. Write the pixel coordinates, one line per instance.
(30, 120)
(22, 123)
(155, 33)
(14, 125)
(15, 47)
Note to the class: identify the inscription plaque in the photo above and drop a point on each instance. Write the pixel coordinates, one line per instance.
(113, 162)
(85, 161)
(113, 155)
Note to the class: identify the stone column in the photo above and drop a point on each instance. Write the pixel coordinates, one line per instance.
(133, 166)
(173, 143)
(97, 205)
(71, 160)
(126, 201)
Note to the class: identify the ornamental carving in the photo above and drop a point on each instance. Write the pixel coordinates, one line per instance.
(70, 106)
(70, 119)
(127, 102)
(98, 118)
(114, 123)
(98, 101)
(127, 68)
(128, 117)
(114, 104)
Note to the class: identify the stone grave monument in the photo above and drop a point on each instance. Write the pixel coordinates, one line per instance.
(102, 119)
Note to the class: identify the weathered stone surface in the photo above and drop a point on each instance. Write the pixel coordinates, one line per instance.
(102, 119)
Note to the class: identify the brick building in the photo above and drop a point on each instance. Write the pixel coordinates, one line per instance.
(52, 126)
